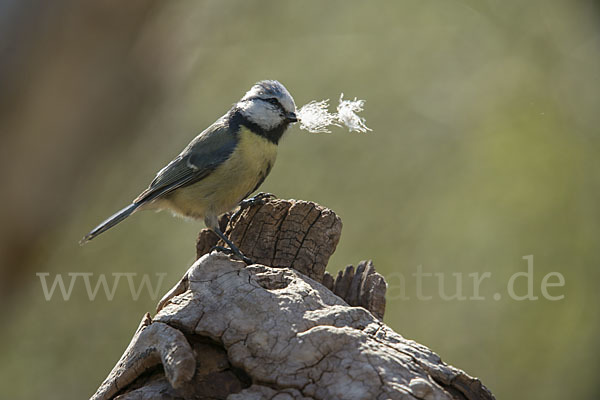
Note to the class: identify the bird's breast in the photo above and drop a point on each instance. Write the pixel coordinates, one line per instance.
(230, 182)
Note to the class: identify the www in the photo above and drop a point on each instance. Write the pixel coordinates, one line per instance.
(101, 282)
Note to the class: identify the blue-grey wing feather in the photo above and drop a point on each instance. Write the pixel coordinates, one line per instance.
(202, 156)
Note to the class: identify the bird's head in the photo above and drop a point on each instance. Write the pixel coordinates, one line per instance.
(269, 105)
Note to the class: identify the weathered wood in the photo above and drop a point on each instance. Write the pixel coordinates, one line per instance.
(281, 233)
(301, 235)
(153, 344)
(228, 330)
(363, 287)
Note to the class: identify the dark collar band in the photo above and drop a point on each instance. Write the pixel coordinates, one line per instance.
(236, 119)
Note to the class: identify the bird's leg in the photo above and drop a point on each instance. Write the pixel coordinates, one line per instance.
(259, 198)
(232, 247)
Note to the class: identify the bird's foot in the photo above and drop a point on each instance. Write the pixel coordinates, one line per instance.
(258, 199)
(229, 251)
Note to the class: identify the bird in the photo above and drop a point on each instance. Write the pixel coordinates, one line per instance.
(221, 166)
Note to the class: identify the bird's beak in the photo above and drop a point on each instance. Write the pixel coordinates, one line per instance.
(291, 117)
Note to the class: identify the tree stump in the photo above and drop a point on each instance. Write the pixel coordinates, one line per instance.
(281, 328)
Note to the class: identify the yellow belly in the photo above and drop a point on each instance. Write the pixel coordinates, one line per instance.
(227, 185)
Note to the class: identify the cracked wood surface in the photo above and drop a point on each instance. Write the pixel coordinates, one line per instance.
(286, 331)
(281, 335)
(301, 235)
(281, 233)
(363, 287)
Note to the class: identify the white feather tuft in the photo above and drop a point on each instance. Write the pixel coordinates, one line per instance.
(346, 114)
(316, 118)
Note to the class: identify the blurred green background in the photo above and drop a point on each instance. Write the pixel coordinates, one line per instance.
(484, 149)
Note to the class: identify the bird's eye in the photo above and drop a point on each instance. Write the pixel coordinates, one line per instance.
(273, 101)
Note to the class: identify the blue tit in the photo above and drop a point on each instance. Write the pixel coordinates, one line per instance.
(222, 165)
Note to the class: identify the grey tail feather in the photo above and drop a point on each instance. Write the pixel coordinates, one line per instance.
(110, 222)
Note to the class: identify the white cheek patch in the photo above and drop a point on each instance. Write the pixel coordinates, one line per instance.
(316, 118)
(261, 114)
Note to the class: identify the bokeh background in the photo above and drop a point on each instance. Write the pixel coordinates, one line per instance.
(484, 149)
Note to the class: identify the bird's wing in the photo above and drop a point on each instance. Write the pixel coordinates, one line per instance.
(205, 153)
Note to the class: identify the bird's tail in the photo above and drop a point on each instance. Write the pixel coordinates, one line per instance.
(110, 222)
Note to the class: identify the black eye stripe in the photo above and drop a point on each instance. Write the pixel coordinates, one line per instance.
(271, 100)
(275, 102)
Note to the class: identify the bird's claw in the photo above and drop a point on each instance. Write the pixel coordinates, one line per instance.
(229, 251)
(258, 199)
